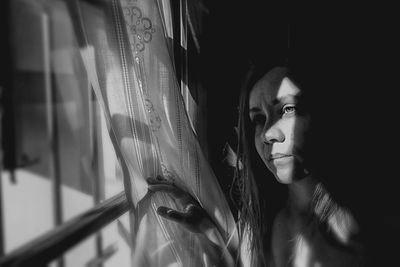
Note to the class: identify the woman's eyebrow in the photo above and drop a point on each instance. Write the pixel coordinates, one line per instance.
(279, 100)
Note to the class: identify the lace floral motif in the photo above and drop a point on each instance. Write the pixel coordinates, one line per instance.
(140, 27)
(140, 32)
(155, 120)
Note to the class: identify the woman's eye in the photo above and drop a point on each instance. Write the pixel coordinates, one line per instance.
(287, 109)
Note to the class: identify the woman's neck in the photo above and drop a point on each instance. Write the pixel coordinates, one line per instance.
(301, 194)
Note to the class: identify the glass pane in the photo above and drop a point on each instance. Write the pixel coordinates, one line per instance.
(81, 254)
(64, 160)
(74, 121)
(27, 207)
(28, 200)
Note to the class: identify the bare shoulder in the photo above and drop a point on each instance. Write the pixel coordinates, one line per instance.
(299, 241)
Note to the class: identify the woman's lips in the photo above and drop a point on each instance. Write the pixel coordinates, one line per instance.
(278, 156)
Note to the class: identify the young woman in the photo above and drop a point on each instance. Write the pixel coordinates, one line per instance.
(300, 222)
(287, 216)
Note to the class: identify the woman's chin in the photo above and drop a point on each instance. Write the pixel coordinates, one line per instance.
(284, 180)
(289, 175)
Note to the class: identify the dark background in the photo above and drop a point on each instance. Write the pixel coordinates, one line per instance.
(353, 50)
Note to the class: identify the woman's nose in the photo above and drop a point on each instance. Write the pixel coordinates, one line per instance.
(274, 134)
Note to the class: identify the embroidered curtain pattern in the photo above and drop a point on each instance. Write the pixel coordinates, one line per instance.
(125, 51)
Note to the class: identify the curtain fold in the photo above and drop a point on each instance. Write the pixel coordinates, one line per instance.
(126, 54)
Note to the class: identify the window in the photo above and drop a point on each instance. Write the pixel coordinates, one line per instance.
(58, 158)
(61, 189)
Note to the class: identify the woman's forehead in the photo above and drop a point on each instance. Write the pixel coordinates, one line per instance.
(267, 91)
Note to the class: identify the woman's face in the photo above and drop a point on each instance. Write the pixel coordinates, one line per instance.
(280, 125)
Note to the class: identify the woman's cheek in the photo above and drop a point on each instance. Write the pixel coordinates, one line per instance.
(258, 144)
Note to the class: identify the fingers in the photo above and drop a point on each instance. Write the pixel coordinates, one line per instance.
(192, 214)
(191, 219)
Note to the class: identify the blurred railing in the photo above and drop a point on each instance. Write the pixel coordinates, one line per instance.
(53, 244)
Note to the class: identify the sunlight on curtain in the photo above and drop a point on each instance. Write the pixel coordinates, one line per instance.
(125, 51)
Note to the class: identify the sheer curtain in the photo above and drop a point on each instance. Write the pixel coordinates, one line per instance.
(125, 51)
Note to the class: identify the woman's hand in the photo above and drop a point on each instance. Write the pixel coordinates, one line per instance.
(193, 217)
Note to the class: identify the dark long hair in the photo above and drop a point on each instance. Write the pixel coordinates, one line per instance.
(260, 195)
